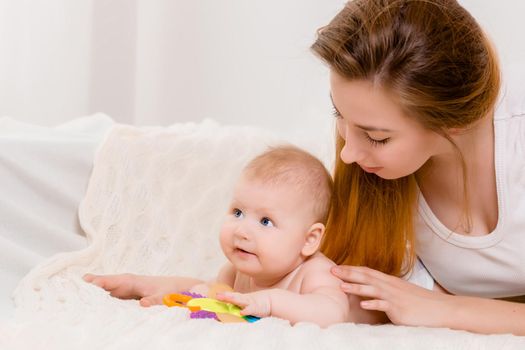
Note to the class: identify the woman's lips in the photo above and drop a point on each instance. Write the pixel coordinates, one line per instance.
(371, 170)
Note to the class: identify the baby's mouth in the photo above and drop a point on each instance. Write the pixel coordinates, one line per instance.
(242, 251)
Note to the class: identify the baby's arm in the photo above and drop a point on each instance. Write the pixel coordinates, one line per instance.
(320, 301)
(148, 289)
(151, 289)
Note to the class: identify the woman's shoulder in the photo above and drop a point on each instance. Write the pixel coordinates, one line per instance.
(511, 101)
(509, 117)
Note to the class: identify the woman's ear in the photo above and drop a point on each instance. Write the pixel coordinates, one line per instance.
(455, 131)
(313, 239)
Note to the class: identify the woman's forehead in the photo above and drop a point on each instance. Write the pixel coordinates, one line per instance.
(368, 106)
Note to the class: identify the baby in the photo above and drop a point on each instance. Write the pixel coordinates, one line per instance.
(271, 237)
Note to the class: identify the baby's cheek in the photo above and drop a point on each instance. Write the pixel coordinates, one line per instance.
(277, 260)
(224, 240)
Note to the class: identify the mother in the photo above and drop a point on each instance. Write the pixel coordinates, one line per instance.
(425, 161)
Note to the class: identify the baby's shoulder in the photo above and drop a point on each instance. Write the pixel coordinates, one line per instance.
(316, 266)
(316, 272)
(318, 261)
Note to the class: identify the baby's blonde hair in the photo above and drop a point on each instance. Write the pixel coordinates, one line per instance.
(293, 166)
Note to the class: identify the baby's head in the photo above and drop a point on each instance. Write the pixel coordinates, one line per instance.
(277, 214)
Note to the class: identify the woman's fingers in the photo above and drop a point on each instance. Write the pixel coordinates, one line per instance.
(364, 290)
(379, 299)
(374, 304)
(359, 274)
(403, 302)
(364, 281)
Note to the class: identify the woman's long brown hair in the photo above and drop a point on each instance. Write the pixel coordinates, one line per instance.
(432, 57)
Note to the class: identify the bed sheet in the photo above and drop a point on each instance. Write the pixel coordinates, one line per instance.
(44, 173)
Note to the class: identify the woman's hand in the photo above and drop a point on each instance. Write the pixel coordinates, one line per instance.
(148, 289)
(410, 305)
(403, 302)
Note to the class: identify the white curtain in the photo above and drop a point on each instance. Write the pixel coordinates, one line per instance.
(164, 61)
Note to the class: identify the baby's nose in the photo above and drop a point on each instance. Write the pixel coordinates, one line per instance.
(242, 232)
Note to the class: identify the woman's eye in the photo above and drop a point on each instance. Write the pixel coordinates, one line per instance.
(335, 113)
(237, 213)
(266, 222)
(375, 142)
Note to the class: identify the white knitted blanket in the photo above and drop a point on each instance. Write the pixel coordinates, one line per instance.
(154, 205)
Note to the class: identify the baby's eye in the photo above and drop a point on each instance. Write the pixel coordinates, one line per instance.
(237, 213)
(266, 222)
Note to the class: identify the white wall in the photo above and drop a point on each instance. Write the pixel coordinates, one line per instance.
(503, 20)
(236, 61)
(164, 61)
(45, 48)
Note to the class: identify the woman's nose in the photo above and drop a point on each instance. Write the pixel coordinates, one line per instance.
(350, 154)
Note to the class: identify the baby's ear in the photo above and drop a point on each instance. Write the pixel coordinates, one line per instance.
(313, 238)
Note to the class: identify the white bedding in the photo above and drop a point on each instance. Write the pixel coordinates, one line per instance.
(154, 205)
(44, 173)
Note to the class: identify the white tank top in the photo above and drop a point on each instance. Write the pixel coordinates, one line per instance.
(492, 265)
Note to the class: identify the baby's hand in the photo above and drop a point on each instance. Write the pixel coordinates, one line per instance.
(201, 288)
(149, 289)
(256, 304)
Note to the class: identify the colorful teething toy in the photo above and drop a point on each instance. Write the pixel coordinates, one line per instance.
(202, 307)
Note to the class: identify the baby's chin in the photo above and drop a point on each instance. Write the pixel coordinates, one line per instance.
(251, 268)
(264, 277)
(250, 272)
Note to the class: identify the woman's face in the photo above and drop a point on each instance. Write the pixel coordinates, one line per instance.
(377, 135)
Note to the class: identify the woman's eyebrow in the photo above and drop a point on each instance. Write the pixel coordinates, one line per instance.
(363, 127)
(372, 128)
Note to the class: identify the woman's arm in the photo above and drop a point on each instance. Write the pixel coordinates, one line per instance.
(410, 305)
